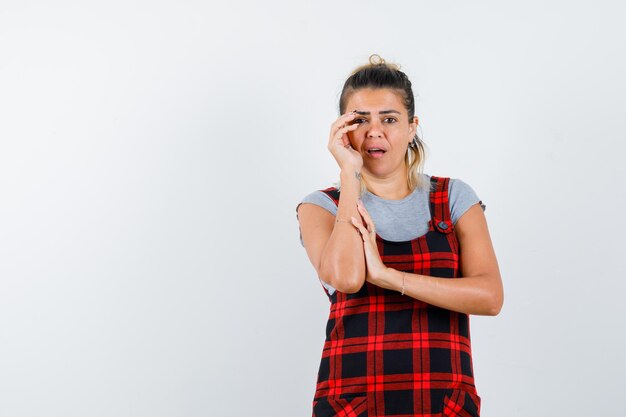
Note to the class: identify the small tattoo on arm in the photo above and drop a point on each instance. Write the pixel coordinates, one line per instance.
(357, 174)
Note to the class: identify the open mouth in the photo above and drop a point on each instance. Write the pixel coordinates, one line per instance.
(376, 152)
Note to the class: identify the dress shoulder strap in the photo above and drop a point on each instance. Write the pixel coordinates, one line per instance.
(333, 193)
(440, 205)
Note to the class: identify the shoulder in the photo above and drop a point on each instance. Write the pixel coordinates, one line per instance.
(461, 197)
(320, 198)
(323, 198)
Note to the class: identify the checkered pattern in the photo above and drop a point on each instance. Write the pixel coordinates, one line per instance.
(391, 355)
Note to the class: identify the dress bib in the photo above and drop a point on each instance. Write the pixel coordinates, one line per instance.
(388, 354)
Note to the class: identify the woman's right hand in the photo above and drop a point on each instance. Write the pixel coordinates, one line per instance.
(339, 143)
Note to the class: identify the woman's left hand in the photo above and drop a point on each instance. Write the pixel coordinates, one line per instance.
(376, 269)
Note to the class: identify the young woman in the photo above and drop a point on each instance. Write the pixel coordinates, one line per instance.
(404, 258)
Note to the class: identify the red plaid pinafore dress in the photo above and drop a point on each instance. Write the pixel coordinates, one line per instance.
(387, 354)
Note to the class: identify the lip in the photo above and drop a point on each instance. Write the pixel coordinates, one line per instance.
(370, 147)
(376, 155)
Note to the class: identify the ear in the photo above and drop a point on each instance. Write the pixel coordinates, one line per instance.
(413, 126)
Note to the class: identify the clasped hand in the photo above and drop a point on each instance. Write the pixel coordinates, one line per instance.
(377, 271)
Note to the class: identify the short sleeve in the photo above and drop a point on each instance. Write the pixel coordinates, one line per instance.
(461, 197)
(321, 199)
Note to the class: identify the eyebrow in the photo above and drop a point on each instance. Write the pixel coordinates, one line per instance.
(366, 113)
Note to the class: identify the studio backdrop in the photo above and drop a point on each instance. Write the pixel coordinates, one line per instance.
(152, 155)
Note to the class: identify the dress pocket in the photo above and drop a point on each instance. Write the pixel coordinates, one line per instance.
(340, 407)
(460, 403)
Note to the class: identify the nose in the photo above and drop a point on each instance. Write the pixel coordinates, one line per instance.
(375, 130)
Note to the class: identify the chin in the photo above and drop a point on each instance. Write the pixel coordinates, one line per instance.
(377, 171)
(380, 168)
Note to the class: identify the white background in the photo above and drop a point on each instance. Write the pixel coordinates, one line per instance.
(152, 155)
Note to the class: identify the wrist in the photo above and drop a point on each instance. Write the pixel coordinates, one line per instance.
(350, 173)
(387, 279)
(392, 278)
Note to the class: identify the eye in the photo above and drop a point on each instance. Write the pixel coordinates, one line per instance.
(390, 120)
(358, 121)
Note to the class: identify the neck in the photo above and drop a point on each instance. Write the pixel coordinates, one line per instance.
(391, 187)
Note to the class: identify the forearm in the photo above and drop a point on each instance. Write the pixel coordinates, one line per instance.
(480, 295)
(343, 261)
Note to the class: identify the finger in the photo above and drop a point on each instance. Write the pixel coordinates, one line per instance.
(357, 223)
(347, 116)
(360, 228)
(341, 134)
(344, 137)
(342, 121)
(345, 129)
(337, 134)
(366, 216)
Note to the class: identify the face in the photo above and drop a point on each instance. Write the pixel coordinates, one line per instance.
(384, 131)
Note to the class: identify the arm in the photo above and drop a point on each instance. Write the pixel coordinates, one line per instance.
(479, 291)
(335, 248)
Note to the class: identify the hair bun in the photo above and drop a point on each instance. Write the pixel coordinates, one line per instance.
(376, 59)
